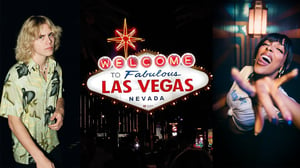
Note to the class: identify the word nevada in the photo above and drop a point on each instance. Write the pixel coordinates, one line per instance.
(147, 81)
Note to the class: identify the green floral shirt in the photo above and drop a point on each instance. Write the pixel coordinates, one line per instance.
(26, 94)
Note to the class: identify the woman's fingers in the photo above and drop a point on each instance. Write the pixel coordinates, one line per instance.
(286, 77)
(259, 120)
(243, 84)
(284, 110)
(265, 99)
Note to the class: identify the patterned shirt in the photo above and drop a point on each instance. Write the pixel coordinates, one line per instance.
(26, 94)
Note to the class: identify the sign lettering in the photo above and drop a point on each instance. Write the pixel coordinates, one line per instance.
(147, 81)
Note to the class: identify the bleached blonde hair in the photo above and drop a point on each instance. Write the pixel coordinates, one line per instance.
(29, 32)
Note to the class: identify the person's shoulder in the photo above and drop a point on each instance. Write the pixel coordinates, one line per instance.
(246, 70)
(16, 69)
(55, 64)
(58, 68)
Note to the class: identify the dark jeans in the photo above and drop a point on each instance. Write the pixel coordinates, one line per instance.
(55, 156)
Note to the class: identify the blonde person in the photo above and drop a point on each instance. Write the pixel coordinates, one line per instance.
(32, 95)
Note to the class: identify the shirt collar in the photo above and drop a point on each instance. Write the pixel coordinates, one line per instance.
(33, 65)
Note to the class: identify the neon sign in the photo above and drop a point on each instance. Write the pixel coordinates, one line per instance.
(148, 81)
(125, 39)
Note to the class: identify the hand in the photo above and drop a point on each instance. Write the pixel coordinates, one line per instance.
(266, 90)
(58, 115)
(44, 163)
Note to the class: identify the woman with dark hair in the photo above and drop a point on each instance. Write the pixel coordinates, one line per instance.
(256, 94)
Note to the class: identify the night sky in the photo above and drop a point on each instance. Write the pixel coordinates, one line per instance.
(166, 27)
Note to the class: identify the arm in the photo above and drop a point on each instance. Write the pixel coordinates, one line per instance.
(293, 107)
(58, 115)
(19, 130)
(267, 93)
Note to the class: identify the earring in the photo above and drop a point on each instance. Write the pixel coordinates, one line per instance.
(280, 72)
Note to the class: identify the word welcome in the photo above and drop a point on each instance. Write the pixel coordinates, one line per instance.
(146, 61)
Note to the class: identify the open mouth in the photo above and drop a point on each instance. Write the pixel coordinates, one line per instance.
(266, 59)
